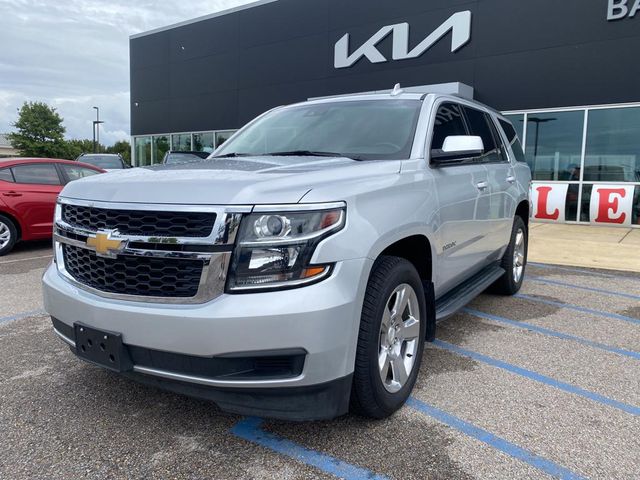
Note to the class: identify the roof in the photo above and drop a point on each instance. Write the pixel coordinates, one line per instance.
(4, 162)
(204, 17)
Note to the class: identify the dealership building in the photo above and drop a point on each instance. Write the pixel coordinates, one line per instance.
(565, 72)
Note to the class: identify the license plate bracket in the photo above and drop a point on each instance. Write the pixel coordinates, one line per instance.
(102, 347)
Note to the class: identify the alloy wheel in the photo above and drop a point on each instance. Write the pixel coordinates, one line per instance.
(398, 339)
(518, 256)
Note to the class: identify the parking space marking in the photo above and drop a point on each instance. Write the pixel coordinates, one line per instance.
(249, 429)
(493, 441)
(581, 287)
(538, 377)
(20, 316)
(578, 308)
(553, 333)
(578, 270)
(25, 259)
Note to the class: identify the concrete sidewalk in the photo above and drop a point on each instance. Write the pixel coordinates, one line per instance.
(613, 248)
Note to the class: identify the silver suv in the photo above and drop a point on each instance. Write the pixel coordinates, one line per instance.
(299, 270)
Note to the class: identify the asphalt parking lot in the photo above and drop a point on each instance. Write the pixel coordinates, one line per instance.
(545, 384)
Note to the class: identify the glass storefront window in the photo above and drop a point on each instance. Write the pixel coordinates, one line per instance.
(517, 120)
(222, 137)
(160, 147)
(203, 142)
(554, 145)
(142, 148)
(181, 142)
(613, 145)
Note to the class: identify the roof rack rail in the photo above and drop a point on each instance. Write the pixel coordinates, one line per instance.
(452, 88)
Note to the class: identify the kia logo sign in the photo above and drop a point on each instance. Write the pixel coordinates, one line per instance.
(459, 24)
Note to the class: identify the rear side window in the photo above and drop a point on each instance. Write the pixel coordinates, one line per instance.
(74, 173)
(448, 122)
(5, 174)
(480, 124)
(40, 174)
(512, 136)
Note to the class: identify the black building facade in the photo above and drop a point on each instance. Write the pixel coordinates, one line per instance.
(566, 71)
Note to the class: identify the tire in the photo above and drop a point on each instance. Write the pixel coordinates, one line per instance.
(511, 281)
(8, 235)
(371, 396)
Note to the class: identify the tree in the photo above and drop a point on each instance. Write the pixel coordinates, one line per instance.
(74, 148)
(40, 131)
(123, 148)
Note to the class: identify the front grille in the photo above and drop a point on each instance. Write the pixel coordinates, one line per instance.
(141, 222)
(134, 275)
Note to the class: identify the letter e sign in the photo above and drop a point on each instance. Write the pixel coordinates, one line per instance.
(611, 204)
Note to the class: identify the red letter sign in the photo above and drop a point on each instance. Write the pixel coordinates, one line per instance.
(611, 204)
(549, 201)
(543, 199)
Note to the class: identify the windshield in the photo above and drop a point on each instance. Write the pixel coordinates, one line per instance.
(103, 162)
(361, 129)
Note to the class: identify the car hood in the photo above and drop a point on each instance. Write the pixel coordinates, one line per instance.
(228, 181)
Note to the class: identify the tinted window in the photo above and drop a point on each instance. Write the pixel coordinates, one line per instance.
(514, 141)
(74, 172)
(102, 162)
(480, 125)
(42, 174)
(5, 174)
(448, 122)
(364, 129)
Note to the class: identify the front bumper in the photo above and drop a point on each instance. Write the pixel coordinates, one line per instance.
(321, 320)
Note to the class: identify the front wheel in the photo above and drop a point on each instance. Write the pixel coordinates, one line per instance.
(514, 260)
(391, 338)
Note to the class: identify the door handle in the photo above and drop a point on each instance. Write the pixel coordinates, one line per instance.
(12, 194)
(482, 185)
(511, 179)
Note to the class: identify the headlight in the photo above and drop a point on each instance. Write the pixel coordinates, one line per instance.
(274, 249)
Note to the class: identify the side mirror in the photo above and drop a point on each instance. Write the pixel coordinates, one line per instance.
(458, 148)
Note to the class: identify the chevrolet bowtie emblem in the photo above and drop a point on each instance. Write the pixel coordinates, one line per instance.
(104, 245)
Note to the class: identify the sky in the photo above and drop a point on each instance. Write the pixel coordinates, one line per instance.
(74, 54)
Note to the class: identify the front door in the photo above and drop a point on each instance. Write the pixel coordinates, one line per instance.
(463, 196)
(34, 198)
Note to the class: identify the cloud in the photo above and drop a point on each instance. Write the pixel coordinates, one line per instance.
(74, 55)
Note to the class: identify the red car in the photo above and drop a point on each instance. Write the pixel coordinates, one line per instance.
(29, 188)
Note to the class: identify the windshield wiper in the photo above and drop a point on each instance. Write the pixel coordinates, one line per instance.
(231, 155)
(308, 153)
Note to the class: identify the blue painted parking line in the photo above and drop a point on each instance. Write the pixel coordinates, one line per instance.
(581, 287)
(577, 270)
(494, 441)
(249, 429)
(553, 333)
(566, 387)
(578, 308)
(20, 316)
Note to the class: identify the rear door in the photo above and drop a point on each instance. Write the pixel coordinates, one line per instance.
(463, 196)
(33, 199)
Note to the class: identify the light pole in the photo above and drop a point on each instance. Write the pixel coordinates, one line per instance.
(96, 130)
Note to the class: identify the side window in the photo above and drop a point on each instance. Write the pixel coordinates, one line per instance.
(5, 174)
(512, 136)
(40, 174)
(74, 173)
(480, 125)
(448, 122)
